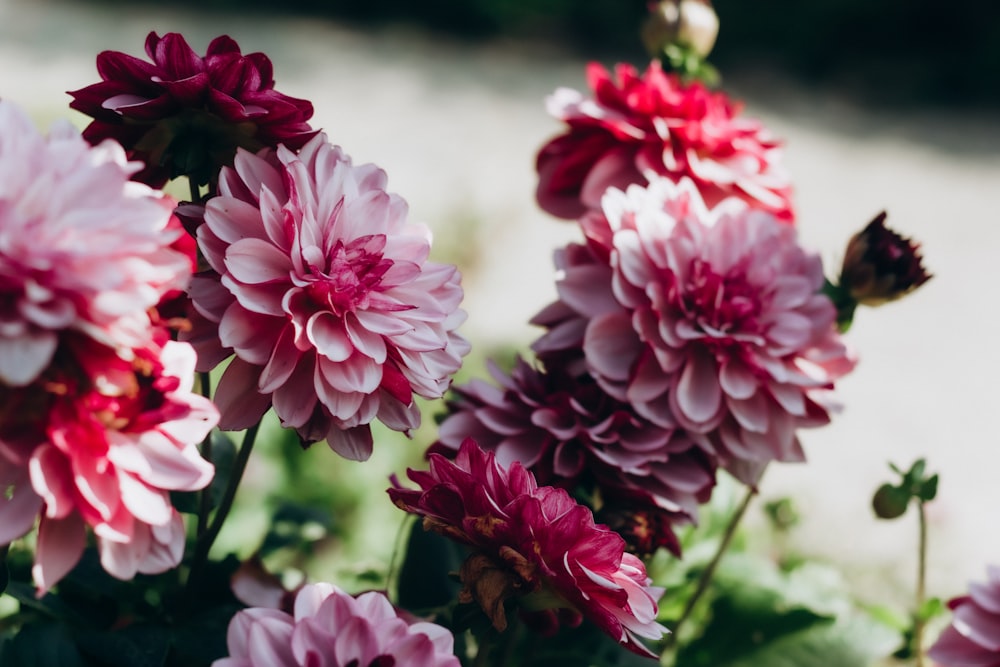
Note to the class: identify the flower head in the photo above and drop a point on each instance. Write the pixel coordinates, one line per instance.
(560, 424)
(187, 114)
(711, 321)
(334, 629)
(880, 265)
(973, 638)
(81, 248)
(532, 541)
(100, 441)
(323, 290)
(655, 124)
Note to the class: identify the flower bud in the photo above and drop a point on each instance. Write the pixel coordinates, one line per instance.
(890, 502)
(880, 265)
(687, 23)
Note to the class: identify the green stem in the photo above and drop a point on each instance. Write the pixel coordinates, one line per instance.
(205, 501)
(709, 572)
(395, 554)
(205, 542)
(195, 191)
(918, 628)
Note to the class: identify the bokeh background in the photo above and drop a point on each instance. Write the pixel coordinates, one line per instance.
(888, 105)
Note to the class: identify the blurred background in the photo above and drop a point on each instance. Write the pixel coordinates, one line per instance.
(888, 105)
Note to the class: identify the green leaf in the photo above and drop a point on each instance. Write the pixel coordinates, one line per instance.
(42, 645)
(850, 642)
(426, 578)
(133, 646)
(931, 608)
(763, 617)
(223, 455)
(928, 489)
(4, 576)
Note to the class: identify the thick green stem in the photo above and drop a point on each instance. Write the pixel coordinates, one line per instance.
(918, 627)
(204, 544)
(709, 571)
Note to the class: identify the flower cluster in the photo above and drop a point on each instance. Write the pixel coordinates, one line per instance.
(330, 627)
(98, 423)
(530, 540)
(655, 124)
(323, 289)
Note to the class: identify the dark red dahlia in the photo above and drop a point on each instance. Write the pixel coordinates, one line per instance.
(531, 541)
(184, 114)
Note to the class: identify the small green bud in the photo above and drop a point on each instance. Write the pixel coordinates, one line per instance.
(890, 501)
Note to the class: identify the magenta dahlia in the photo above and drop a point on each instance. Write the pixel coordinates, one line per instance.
(81, 248)
(562, 426)
(973, 638)
(334, 629)
(184, 114)
(532, 542)
(707, 320)
(655, 124)
(100, 441)
(323, 290)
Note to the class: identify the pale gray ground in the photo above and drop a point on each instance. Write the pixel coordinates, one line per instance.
(457, 127)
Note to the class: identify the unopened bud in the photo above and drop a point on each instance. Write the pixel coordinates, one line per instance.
(692, 24)
(880, 265)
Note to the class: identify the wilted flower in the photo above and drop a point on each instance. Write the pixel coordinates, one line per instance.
(654, 124)
(973, 638)
(711, 321)
(560, 424)
(334, 629)
(532, 541)
(100, 441)
(688, 23)
(323, 290)
(184, 114)
(81, 248)
(880, 265)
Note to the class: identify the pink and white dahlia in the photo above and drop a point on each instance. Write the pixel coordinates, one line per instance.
(532, 541)
(334, 629)
(185, 114)
(100, 441)
(656, 124)
(81, 247)
(707, 320)
(973, 638)
(569, 432)
(323, 290)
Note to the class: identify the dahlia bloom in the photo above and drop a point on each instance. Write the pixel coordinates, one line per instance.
(187, 114)
(562, 426)
(711, 321)
(655, 124)
(973, 638)
(532, 541)
(100, 441)
(323, 290)
(81, 247)
(333, 629)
